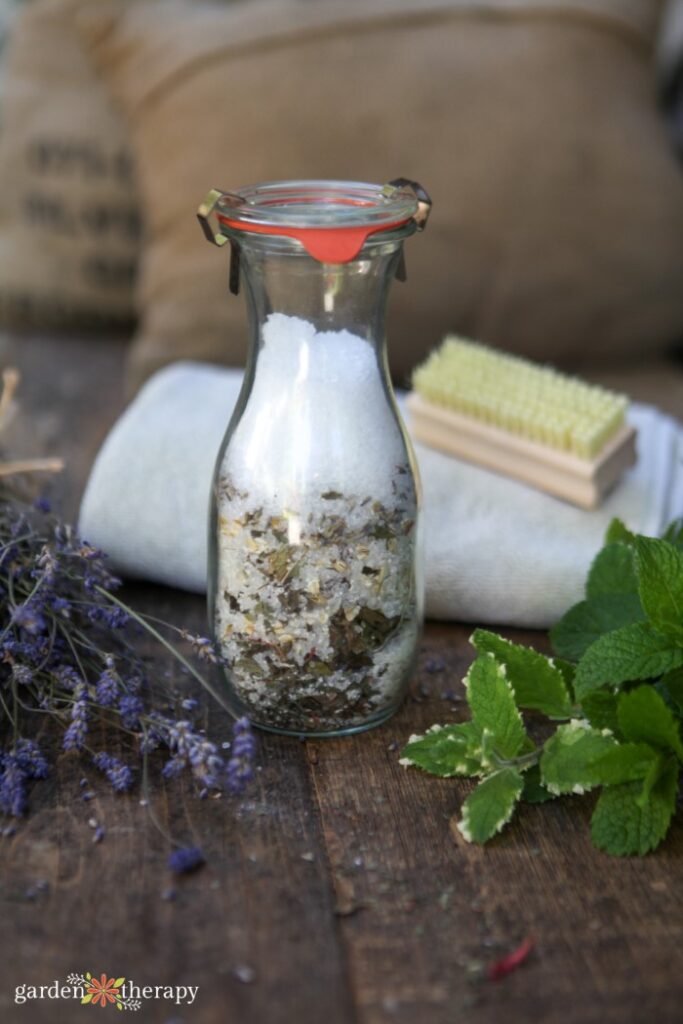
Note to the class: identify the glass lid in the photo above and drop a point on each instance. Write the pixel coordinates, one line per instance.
(319, 204)
(332, 220)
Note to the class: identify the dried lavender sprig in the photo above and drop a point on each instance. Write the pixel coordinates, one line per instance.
(59, 603)
(57, 619)
(142, 621)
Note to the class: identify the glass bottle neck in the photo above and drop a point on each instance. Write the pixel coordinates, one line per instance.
(317, 413)
(348, 297)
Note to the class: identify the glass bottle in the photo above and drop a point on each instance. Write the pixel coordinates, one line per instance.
(315, 577)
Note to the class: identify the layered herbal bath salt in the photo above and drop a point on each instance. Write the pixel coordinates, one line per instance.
(315, 578)
(316, 608)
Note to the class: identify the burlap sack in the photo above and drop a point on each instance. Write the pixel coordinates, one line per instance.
(557, 228)
(69, 222)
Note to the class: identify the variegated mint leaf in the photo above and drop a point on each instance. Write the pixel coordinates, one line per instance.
(492, 703)
(538, 683)
(446, 750)
(568, 756)
(490, 806)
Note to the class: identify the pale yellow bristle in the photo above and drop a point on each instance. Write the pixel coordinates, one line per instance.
(523, 398)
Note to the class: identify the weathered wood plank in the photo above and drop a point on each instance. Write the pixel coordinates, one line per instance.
(427, 912)
(337, 880)
(262, 906)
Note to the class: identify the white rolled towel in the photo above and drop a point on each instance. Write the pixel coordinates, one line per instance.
(497, 552)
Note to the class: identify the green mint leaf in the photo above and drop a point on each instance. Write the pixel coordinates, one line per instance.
(654, 773)
(660, 579)
(538, 683)
(492, 703)
(567, 670)
(588, 620)
(626, 762)
(490, 806)
(613, 572)
(534, 791)
(568, 757)
(628, 654)
(645, 718)
(446, 750)
(600, 708)
(674, 533)
(617, 532)
(620, 826)
(673, 683)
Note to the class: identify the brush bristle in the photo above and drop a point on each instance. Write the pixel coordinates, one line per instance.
(521, 397)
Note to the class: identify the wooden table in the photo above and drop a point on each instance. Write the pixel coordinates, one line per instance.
(335, 890)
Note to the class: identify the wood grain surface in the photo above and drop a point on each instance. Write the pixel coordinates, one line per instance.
(335, 890)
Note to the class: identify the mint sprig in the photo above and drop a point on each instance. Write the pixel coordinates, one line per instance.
(613, 695)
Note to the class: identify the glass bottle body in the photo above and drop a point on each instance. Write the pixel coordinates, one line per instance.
(315, 576)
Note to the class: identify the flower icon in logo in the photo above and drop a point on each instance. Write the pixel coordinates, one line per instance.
(104, 991)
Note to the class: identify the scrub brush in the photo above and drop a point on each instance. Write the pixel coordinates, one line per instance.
(530, 422)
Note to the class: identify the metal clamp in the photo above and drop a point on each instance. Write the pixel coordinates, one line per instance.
(204, 213)
(206, 217)
(424, 202)
(420, 217)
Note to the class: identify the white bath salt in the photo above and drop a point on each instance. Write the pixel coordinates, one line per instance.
(317, 418)
(317, 603)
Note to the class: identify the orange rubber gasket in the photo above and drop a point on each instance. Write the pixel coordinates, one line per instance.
(328, 245)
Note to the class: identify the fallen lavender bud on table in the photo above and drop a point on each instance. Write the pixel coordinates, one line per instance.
(185, 860)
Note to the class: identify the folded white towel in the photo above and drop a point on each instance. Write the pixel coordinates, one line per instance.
(496, 550)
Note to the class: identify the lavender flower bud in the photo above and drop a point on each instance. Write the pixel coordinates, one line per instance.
(118, 773)
(67, 677)
(107, 688)
(185, 860)
(74, 737)
(22, 674)
(12, 787)
(130, 709)
(240, 766)
(31, 760)
(29, 618)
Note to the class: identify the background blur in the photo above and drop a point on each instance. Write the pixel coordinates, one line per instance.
(549, 134)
